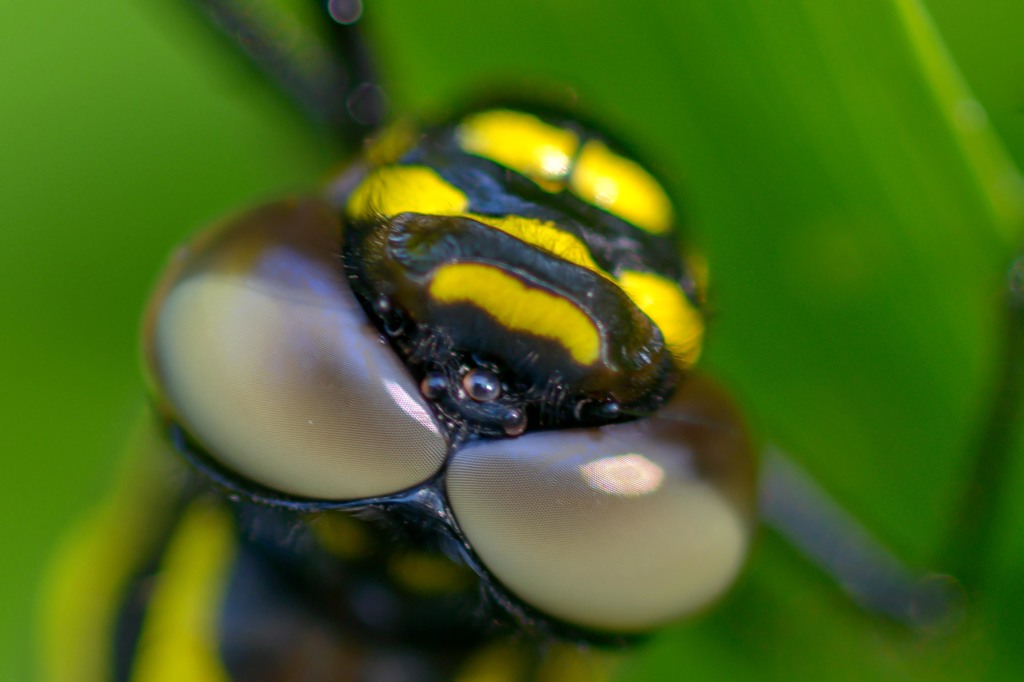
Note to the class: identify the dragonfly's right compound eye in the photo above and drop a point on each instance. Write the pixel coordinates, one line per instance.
(620, 528)
(259, 350)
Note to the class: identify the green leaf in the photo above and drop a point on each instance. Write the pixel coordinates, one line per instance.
(847, 182)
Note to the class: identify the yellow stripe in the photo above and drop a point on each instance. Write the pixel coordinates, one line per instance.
(543, 152)
(392, 190)
(418, 189)
(179, 637)
(86, 583)
(622, 187)
(519, 307)
(665, 303)
(544, 235)
(521, 142)
(81, 601)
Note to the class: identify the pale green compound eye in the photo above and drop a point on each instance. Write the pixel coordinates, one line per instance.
(265, 357)
(619, 528)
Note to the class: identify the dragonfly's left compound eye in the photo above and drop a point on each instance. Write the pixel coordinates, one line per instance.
(260, 351)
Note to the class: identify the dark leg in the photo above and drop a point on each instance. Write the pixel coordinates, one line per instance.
(793, 504)
(800, 511)
(324, 66)
(969, 543)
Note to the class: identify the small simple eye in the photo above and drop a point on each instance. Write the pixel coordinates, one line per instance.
(263, 354)
(513, 422)
(482, 385)
(619, 528)
(433, 386)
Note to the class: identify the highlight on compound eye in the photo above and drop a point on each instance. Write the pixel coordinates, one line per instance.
(615, 529)
(626, 475)
(260, 351)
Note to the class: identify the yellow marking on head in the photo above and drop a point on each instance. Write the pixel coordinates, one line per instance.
(665, 303)
(518, 307)
(429, 574)
(179, 637)
(396, 189)
(392, 190)
(545, 235)
(521, 142)
(621, 187)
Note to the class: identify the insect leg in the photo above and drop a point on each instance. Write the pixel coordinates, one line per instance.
(322, 65)
(799, 510)
(969, 542)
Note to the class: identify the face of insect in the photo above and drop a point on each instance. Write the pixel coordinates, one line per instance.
(493, 326)
(531, 253)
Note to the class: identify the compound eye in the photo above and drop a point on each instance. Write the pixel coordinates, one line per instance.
(261, 352)
(616, 529)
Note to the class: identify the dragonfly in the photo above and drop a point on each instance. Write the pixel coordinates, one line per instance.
(782, 473)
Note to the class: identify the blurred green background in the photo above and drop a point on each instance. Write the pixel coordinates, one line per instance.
(849, 167)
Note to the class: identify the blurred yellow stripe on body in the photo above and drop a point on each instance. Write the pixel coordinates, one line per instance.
(92, 569)
(179, 639)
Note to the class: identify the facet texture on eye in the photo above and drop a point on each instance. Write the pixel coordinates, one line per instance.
(617, 529)
(269, 362)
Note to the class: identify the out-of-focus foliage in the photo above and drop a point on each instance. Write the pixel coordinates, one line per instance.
(854, 191)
